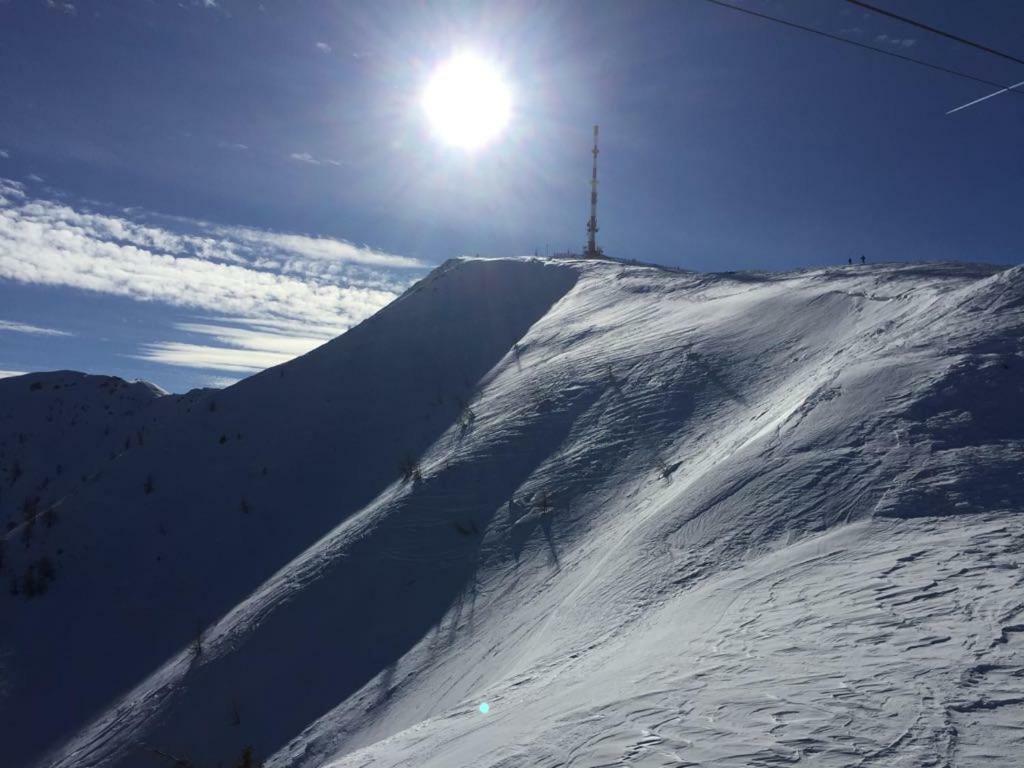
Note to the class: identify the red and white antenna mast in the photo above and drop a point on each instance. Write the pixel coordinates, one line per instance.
(593, 252)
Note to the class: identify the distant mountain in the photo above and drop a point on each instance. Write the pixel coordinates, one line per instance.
(648, 517)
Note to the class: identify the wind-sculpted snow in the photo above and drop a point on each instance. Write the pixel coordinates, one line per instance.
(871, 645)
(648, 517)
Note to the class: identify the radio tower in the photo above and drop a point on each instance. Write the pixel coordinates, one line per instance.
(593, 252)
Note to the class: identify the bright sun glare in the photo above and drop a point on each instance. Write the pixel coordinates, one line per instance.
(467, 101)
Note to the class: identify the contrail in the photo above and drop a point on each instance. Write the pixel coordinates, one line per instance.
(983, 98)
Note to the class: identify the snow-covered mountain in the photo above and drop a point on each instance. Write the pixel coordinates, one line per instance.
(647, 517)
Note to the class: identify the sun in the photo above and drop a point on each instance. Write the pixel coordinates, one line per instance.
(467, 101)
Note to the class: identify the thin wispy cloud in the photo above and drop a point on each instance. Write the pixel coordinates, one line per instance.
(238, 348)
(296, 253)
(305, 157)
(220, 382)
(13, 327)
(4, 154)
(258, 341)
(44, 249)
(10, 192)
(62, 6)
(323, 47)
(271, 295)
(279, 244)
(210, 357)
(901, 42)
(234, 146)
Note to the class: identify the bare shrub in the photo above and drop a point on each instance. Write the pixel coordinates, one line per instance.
(410, 469)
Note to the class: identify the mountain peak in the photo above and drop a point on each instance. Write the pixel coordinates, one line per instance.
(573, 490)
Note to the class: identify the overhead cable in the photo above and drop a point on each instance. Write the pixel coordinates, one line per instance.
(929, 28)
(865, 46)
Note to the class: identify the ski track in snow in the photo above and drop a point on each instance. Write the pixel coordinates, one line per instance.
(662, 519)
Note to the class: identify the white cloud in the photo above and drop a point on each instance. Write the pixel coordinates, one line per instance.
(4, 154)
(31, 252)
(257, 341)
(305, 157)
(209, 357)
(10, 191)
(63, 6)
(220, 382)
(903, 42)
(283, 326)
(233, 145)
(9, 374)
(274, 244)
(323, 47)
(239, 349)
(233, 244)
(275, 295)
(7, 325)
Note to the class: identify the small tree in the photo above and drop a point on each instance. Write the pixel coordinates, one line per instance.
(614, 382)
(410, 469)
(196, 647)
(665, 470)
(173, 760)
(466, 419)
(46, 573)
(28, 581)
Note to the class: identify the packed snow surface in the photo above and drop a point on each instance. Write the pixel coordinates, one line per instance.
(540, 513)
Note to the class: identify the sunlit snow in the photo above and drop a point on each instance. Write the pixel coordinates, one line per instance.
(637, 517)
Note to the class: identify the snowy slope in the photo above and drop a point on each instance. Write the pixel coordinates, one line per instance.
(53, 422)
(652, 518)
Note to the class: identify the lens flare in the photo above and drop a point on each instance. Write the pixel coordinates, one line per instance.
(484, 707)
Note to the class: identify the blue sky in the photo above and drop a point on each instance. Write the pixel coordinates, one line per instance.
(195, 190)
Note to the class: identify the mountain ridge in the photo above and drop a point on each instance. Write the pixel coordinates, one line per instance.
(599, 444)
